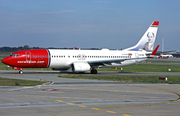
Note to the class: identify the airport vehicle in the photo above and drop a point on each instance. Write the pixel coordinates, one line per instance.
(85, 60)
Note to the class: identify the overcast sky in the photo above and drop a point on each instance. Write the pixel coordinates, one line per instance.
(113, 24)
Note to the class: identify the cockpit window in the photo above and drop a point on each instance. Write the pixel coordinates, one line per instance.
(14, 55)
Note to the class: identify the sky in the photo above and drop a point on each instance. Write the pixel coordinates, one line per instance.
(113, 24)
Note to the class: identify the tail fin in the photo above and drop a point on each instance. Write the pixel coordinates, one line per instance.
(147, 41)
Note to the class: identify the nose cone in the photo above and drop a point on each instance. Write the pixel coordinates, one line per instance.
(5, 60)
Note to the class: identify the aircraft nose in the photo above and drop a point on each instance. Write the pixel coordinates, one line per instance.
(5, 60)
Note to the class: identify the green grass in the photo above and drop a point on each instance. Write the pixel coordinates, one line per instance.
(18, 82)
(126, 78)
(4, 54)
(146, 68)
(4, 67)
(154, 61)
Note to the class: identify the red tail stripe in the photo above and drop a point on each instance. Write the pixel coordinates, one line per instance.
(155, 23)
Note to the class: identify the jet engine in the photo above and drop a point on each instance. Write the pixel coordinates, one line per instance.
(80, 67)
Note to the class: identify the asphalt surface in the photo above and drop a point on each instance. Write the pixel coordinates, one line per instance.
(164, 59)
(83, 97)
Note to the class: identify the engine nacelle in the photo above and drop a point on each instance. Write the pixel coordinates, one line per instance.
(80, 67)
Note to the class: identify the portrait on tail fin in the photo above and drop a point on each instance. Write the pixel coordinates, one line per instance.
(148, 46)
(146, 43)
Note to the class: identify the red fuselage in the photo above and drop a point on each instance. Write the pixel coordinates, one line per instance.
(28, 59)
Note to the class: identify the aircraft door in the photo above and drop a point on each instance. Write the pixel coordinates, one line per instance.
(137, 56)
(28, 56)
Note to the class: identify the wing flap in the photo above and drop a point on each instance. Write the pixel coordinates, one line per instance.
(104, 62)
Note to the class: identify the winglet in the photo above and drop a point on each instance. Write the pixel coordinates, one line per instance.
(154, 52)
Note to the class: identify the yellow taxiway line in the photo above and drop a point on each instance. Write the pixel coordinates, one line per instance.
(149, 103)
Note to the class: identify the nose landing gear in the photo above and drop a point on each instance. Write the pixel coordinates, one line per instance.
(20, 72)
(18, 68)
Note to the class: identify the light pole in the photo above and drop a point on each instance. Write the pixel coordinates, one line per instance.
(162, 43)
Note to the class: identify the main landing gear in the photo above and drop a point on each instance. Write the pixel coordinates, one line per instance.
(93, 71)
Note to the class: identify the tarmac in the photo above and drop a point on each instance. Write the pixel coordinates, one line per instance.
(83, 97)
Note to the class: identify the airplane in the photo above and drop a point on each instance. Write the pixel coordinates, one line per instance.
(85, 60)
(166, 55)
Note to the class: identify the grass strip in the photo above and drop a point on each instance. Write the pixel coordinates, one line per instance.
(146, 68)
(126, 78)
(159, 61)
(18, 82)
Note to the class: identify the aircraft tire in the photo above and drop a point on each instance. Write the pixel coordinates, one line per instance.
(20, 72)
(93, 71)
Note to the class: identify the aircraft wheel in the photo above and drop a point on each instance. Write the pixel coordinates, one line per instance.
(93, 71)
(20, 72)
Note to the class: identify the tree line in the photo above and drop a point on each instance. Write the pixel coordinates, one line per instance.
(26, 47)
(14, 49)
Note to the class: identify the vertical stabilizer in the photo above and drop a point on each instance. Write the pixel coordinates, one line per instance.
(147, 41)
